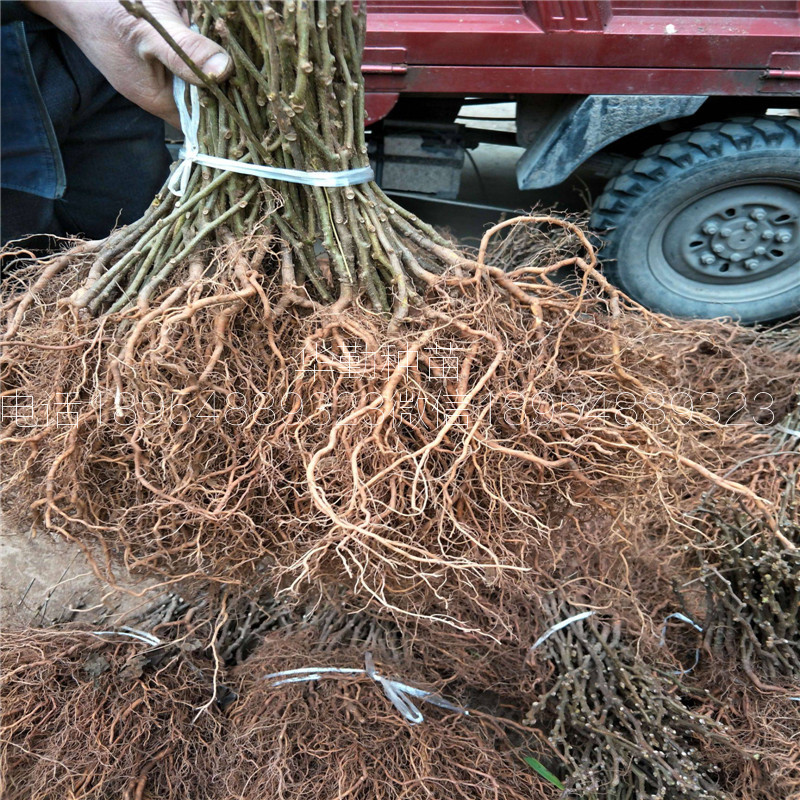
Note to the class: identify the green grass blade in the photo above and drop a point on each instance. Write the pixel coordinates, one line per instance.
(537, 766)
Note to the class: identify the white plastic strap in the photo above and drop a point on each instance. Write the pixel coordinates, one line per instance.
(563, 624)
(133, 633)
(790, 431)
(399, 694)
(682, 618)
(190, 154)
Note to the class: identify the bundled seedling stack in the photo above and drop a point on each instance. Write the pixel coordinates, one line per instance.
(753, 584)
(619, 723)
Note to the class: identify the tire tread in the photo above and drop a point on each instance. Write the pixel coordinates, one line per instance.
(706, 142)
(627, 192)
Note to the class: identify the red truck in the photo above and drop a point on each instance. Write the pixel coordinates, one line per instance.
(693, 102)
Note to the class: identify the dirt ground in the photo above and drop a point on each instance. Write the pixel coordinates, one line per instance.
(46, 579)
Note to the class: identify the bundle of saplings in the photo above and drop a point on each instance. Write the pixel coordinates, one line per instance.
(225, 695)
(303, 384)
(620, 723)
(749, 659)
(89, 716)
(242, 698)
(318, 715)
(751, 573)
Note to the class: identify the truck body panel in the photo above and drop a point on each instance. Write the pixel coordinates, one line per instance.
(511, 47)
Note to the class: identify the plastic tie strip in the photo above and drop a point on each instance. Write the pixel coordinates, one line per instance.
(790, 431)
(399, 694)
(558, 626)
(190, 154)
(133, 633)
(662, 641)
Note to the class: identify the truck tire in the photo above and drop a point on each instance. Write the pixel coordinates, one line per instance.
(708, 224)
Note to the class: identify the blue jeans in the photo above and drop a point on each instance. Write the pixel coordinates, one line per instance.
(77, 157)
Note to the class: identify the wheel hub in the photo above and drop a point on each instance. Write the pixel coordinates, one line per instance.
(736, 235)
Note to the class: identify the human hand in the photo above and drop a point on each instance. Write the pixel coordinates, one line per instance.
(131, 54)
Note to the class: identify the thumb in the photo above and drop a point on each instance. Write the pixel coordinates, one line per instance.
(209, 56)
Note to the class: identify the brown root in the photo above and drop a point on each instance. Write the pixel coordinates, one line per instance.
(91, 716)
(123, 714)
(341, 736)
(764, 726)
(219, 432)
